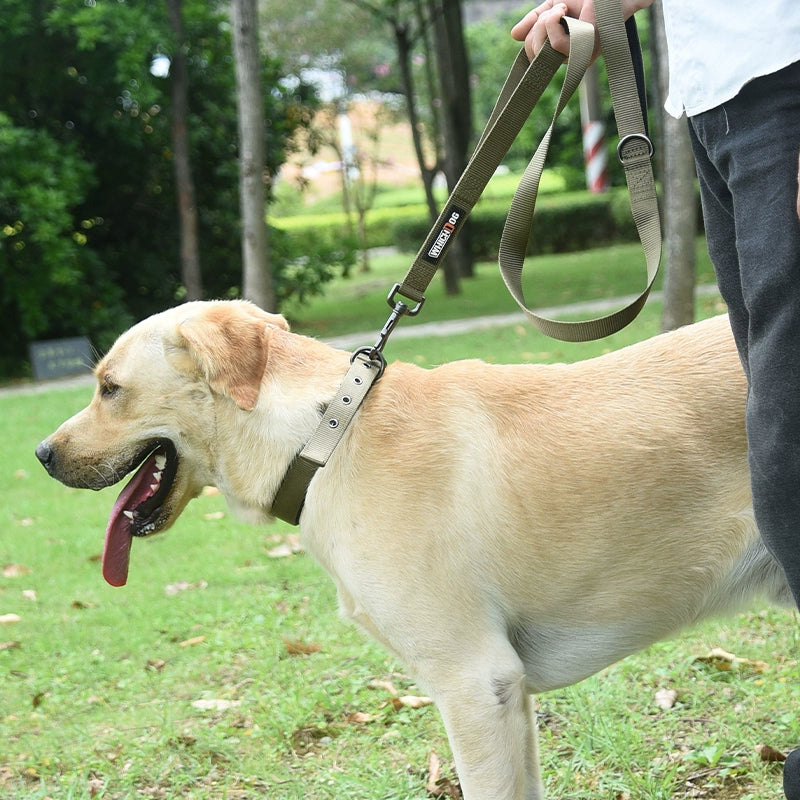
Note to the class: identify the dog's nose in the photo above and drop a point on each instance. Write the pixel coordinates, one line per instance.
(45, 454)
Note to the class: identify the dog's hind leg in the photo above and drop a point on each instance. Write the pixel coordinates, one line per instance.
(491, 726)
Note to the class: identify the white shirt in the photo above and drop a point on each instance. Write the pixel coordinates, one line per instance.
(717, 46)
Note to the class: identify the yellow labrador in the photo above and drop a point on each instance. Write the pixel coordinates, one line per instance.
(504, 530)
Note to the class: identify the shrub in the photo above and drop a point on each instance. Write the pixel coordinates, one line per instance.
(564, 222)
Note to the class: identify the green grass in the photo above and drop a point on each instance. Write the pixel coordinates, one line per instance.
(359, 304)
(99, 685)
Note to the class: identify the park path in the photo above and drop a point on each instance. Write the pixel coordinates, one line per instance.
(454, 326)
(425, 329)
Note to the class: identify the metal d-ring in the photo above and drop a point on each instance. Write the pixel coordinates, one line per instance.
(375, 358)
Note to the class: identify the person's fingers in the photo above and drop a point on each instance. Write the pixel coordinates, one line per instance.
(548, 26)
(524, 26)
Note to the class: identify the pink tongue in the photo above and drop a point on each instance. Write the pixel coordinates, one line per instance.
(117, 549)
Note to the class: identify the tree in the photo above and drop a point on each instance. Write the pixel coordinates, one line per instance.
(679, 206)
(88, 217)
(408, 22)
(49, 277)
(411, 23)
(257, 280)
(184, 182)
(454, 72)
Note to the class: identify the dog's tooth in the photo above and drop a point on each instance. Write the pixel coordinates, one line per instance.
(157, 475)
(154, 487)
(128, 514)
(161, 461)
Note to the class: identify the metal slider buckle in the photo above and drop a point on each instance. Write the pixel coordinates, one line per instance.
(627, 138)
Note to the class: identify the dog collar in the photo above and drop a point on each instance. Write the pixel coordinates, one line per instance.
(366, 366)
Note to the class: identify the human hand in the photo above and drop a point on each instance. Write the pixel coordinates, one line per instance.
(544, 22)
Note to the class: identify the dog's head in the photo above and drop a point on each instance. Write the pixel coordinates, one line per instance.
(154, 412)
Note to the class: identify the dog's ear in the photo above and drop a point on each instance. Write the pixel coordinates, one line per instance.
(228, 341)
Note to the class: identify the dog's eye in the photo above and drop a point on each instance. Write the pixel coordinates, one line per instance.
(108, 388)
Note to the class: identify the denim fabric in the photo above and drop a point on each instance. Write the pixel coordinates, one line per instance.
(747, 158)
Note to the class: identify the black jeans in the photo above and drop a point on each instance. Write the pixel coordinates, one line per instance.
(747, 158)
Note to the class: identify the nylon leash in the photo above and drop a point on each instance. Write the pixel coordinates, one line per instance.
(521, 91)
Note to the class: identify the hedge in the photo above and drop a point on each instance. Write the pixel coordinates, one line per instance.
(563, 222)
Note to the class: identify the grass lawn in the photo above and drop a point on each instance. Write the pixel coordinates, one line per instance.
(222, 670)
(359, 303)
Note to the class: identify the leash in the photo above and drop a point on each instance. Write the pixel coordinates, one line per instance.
(521, 91)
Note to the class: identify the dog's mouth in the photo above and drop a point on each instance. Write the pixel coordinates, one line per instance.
(139, 509)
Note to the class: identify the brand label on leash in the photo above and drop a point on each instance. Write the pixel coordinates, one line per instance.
(437, 245)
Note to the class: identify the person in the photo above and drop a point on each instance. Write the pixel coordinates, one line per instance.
(735, 73)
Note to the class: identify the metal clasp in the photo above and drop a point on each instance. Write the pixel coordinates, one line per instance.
(399, 310)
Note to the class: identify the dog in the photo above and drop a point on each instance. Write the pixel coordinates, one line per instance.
(504, 530)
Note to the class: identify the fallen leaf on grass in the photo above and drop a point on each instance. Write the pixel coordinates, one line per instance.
(768, 753)
(666, 698)
(215, 704)
(183, 586)
(156, 664)
(411, 701)
(15, 570)
(437, 785)
(214, 515)
(281, 551)
(297, 648)
(10, 619)
(289, 547)
(8, 645)
(359, 718)
(723, 661)
(387, 685)
(29, 594)
(193, 641)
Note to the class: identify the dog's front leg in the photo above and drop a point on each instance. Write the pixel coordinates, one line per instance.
(491, 726)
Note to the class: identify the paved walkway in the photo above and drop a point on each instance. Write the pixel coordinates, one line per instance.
(425, 329)
(448, 327)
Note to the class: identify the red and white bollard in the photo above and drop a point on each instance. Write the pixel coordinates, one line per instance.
(595, 158)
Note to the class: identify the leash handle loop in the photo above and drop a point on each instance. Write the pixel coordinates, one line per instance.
(521, 91)
(525, 84)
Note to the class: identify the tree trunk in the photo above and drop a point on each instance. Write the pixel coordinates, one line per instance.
(404, 46)
(191, 276)
(679, 208)
(453, 67)
(256, 278)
